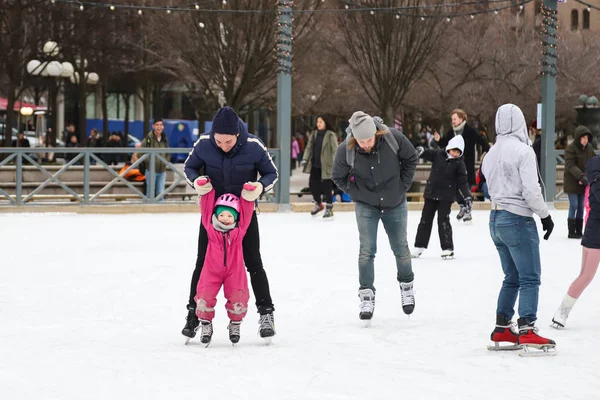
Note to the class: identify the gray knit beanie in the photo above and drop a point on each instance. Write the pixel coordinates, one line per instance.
(362, 125)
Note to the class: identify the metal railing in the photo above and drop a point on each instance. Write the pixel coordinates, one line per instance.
(82, 161)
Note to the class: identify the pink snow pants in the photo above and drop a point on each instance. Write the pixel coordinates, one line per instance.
(235, 283)
(589, 265)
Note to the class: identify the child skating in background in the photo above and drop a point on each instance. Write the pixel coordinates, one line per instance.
(226, 222)
(590, 257)
(448, 173)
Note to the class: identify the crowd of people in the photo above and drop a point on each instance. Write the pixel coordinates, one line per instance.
(375, 166)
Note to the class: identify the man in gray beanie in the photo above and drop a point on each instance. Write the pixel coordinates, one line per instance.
(375, 166)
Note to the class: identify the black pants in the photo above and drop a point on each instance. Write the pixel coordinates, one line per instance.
(444, 228)
(320, 187)
(253, 261)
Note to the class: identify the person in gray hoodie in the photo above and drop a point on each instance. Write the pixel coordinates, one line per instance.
(511, 172)
(375, 166)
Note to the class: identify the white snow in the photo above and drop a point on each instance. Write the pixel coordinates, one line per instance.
(92, 306)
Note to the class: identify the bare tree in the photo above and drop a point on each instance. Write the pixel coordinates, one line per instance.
(228, 57)
(388, 52)
(21, 38)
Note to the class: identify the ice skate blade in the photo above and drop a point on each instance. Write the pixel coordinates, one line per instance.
(498, 347)
(187, 341)
(538, 350)
(268, 340)
(557, 325)
(366, 323)
(448, 257)
(329, 219)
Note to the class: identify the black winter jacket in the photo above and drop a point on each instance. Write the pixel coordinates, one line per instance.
(591, 236)
(381, 177)
(446, 176)
(471, 137)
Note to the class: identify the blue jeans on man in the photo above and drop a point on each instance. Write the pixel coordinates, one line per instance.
(518, 244)
(159, 184)
(576, 205)
(394, 223)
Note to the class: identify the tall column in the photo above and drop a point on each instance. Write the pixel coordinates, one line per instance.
(284, 98)
(549, 55)
(59, 113)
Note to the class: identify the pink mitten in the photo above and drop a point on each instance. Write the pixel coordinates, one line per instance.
(202, 185)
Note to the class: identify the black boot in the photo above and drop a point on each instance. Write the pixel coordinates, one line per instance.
(191, 325)
(328, 211)
(572, 230)
(579, 228)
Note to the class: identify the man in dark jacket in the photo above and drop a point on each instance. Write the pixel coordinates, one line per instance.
(21, 140)
(471, 138)
(230, 157)
(375, 165)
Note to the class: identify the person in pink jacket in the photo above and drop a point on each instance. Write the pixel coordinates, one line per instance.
(226, 222)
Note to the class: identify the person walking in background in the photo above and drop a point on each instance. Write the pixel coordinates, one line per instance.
(295, 153)
(448, 175)
(577, 155)
(511, 172)
(590, 247)
(154, 140)
(375, 165)
(21, 140)
(471, 138)
(318, 162)
(230, 157)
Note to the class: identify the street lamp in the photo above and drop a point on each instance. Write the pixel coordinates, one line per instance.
(53, 69)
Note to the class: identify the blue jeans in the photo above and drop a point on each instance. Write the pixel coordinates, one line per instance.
(486, 192)
(576, 203)
(159, 184)
(394, 223)
(518, 244)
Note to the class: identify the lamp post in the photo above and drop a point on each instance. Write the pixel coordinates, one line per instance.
(54, 69)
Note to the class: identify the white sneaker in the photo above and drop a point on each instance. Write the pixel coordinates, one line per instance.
(416, 253)
(560, 316)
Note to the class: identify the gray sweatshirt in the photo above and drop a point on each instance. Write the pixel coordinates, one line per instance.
(510, 166)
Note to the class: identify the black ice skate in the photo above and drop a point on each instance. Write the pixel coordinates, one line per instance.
(367, 305)
(467, 217)
(207, 331)
(447, 254)
(328, 215)
(234, 331)
(317, 209)
(266, 328)
(191, 325)
(408, 297)
(461, 212)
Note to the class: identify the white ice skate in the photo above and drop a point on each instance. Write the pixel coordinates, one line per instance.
(447, 254)
(560, 316)
(408, 297)
(416, 253)
(367, 305)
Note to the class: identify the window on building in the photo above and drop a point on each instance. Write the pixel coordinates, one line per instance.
(586, 20)
(574, 20)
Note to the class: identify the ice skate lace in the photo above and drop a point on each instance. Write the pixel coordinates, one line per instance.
(266, 322)
(207, 329)
(234, 329)
(408, 296)
(366, 306)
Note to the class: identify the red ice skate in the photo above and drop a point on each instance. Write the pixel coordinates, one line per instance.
(504, 333)
(529, 339)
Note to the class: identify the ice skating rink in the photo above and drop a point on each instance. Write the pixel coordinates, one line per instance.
(92, 306)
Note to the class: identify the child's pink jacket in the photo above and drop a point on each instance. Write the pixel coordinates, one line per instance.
(224, 264)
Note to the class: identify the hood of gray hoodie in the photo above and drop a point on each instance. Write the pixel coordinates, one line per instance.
(510, 122)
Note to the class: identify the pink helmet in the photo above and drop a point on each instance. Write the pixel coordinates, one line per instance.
(229, 200)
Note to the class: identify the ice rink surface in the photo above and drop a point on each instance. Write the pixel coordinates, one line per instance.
(92, 306)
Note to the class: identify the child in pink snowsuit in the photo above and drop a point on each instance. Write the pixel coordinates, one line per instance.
(226, 222)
